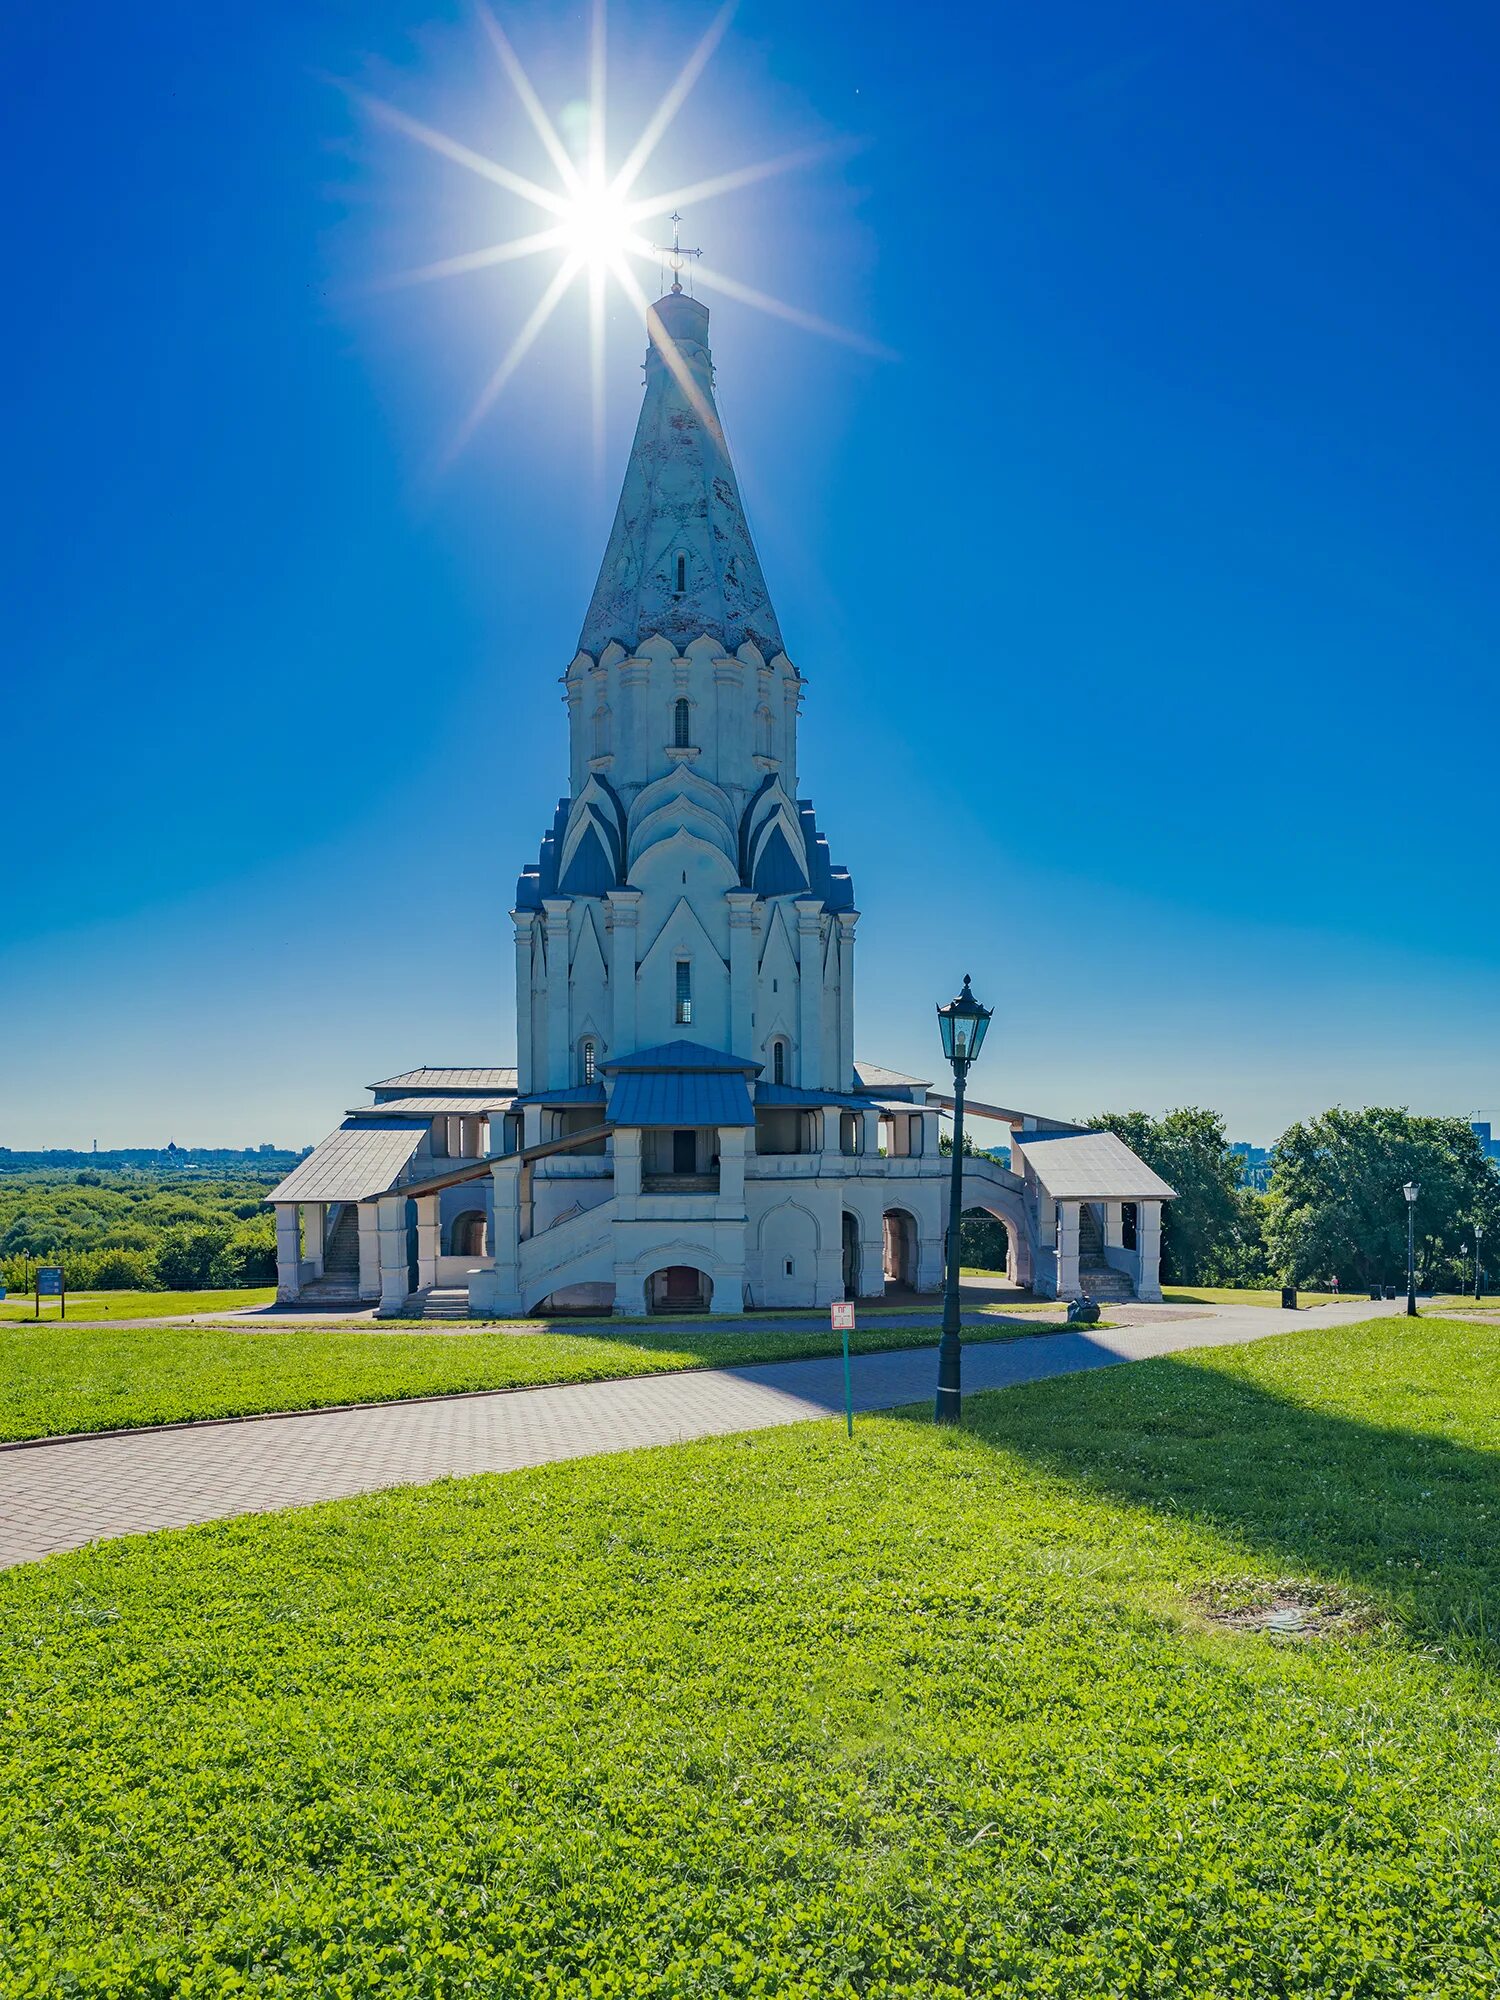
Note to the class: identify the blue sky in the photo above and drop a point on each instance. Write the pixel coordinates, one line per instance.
(1146, 597)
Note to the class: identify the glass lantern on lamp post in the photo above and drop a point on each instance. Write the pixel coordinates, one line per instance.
(963, 1023)
(1411, 1190)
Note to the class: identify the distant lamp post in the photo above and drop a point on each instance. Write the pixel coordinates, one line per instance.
(1478, 1268)
(963, 1023)
(1411, 1190)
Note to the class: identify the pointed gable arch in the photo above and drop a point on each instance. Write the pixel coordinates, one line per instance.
(773, 854)
(681, 801)
(592, 850)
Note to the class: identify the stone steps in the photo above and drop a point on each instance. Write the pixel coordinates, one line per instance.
(1101, 1281)
(438, 1302)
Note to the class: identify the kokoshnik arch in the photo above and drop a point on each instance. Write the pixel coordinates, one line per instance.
(687, 1124)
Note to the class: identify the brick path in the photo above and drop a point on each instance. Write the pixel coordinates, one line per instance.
(62, 1496)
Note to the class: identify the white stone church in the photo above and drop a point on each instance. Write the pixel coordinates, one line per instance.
(687, 1124)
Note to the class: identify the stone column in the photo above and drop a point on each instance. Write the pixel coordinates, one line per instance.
(828, 1137)
(627, 1156)
(498, 1291)
(624, 919)
(525, 1005)
(555, 916)
(870, 1120)
(809, 992)
(732, 1144)
(871, 1260)
(741, 971)
(395, 1280)
(847, 919)
(1148, 1250)
(288, 1253)
(429, 1240)
(1067, 1249)
(369, 1251)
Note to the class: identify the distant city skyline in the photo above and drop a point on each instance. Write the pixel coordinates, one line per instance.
(1176, 490)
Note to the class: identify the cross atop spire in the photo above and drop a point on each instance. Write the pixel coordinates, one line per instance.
(677, 253)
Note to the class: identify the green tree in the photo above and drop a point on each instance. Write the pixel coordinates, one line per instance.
(1203, 1230)
(1336, 1208)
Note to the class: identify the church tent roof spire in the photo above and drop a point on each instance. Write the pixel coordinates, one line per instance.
(679, 559)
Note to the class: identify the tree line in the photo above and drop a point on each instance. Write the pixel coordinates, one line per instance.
(1333, 1209)
(135, 1229)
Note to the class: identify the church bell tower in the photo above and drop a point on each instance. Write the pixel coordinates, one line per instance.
(683, 894)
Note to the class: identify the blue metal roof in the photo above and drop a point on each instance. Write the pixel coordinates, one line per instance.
(681, 1056)
(680, 1097)
(768, 1096)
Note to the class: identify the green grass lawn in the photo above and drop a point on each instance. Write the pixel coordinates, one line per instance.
(934, 1714)
(56, 1378)
(133, 1305)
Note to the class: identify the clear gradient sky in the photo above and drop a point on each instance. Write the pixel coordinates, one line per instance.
(1146, 598)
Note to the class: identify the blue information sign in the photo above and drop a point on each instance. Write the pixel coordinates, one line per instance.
(49, 1281)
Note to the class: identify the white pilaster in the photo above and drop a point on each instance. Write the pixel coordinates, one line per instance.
(847, 919)
(741, 971)
(525, 1004)
(624, 935)
(555, 917)
(809, 992)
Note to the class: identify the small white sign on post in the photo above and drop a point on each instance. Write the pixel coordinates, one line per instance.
(842, 1314)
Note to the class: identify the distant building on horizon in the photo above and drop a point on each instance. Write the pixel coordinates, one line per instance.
(1256, 1164)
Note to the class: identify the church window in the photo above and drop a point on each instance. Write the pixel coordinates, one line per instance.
(601, 732)
(681, 574)
(766, 725)
(778, 1062)
(684, 1009)
(682, 724)
(590, 1061)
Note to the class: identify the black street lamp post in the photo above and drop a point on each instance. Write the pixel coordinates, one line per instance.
(1478, 1250)
(1411, 1190)
(963, 1023)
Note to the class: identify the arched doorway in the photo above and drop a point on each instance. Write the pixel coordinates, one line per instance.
(468, 1234)
(899, 1230)
(851, 1255)
(679, 1288)
(989, 1242)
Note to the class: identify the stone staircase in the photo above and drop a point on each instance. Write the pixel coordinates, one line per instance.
(438, 1302)
(335, 1291)
(1099, 1279)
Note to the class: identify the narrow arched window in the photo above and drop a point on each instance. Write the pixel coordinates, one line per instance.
(778, 1062)
(681, 574)
(590, 1061)
(766, 725)
(601, 732)
(683, 1012)
(682, 723)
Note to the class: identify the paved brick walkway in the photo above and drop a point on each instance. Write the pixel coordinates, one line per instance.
(62, 1496)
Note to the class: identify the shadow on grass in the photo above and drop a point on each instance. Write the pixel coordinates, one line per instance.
(1407, 1519)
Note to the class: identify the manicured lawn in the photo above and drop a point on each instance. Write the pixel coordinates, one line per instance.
(133, 1305)
(931, 1715)
(58, 1377)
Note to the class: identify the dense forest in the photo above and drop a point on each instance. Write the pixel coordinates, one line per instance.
(157, 1227)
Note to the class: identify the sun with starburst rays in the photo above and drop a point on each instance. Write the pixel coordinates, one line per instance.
(592, 218)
